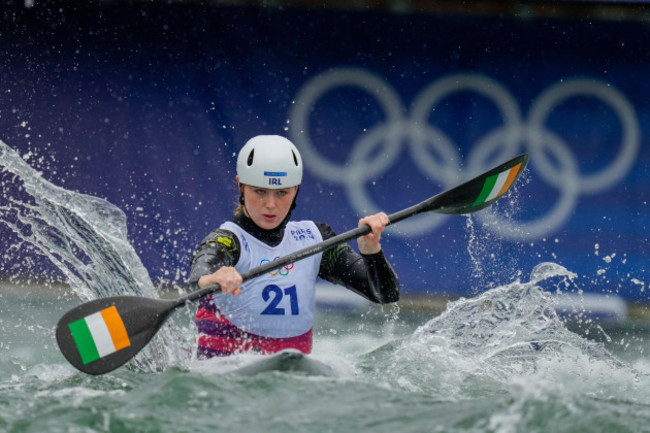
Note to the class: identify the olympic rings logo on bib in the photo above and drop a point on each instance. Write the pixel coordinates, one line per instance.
(435, 154)
(283, 271)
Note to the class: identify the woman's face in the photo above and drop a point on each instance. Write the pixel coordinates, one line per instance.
(268, 207)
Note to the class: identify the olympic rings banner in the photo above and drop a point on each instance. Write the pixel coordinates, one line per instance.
(147, 106)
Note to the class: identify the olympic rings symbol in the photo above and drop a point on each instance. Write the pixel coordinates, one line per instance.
(283, 271)
(436, 156)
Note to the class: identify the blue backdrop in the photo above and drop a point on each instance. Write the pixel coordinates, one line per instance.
(146, 106)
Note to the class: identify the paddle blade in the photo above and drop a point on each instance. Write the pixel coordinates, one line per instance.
(101, 335)
(482, 191)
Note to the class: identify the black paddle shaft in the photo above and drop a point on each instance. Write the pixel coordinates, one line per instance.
(457, 201)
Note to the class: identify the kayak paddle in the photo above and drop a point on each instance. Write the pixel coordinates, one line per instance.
(101, 335)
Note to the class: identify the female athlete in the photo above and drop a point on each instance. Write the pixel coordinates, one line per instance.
(276, 311)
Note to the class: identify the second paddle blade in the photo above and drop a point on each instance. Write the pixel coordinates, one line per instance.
(482, 191)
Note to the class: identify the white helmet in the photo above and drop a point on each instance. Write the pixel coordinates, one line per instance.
(269, 161)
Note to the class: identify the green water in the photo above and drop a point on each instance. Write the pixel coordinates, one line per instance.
(476, 374)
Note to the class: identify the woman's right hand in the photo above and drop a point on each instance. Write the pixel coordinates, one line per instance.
(227, 277)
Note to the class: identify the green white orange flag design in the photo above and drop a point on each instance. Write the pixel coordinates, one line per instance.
(99, 334)
(497, 185)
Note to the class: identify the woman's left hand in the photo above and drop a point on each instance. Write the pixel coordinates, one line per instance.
(369, 244)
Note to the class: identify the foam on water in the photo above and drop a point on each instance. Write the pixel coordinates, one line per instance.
(511, 339)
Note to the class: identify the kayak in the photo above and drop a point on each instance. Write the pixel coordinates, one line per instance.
(289, 360)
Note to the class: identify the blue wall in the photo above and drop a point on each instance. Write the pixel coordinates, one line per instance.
(147, 106)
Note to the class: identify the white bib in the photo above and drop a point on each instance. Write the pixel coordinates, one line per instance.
(281, 303)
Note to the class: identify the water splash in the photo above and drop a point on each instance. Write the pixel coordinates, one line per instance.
(85, 237)
(498, 340)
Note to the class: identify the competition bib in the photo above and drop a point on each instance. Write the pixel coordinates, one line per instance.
(280, 303)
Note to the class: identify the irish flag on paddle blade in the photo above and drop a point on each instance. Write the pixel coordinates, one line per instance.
(99, 334)
(497, 185)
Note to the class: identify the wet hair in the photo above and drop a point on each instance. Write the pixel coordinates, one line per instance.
(240, 205)
(240, 200)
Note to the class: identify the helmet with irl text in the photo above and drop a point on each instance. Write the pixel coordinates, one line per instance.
(269, 161)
